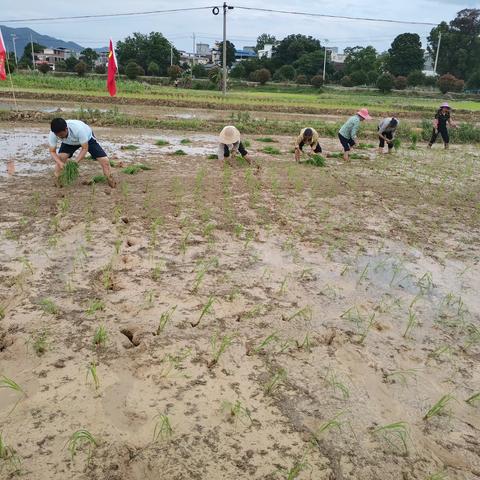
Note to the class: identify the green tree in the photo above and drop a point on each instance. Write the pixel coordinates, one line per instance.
(346, 81)
(81, 68)
(230, 53)
(460, 46)
(317, 81)
(174, 72)
(26, 59)
(310, 64)
(61, 66)
(262, 76)
(361, 58)
(88, 56)
(71, 63)
(449, 83)
(199, 71)
(44, 67)
(131, 70)
(385, 83)
(153, 68)
(473, 82)
(143, 49)
(416, 78)
(405, 55)
(265, 39)
(291, 48)
(401, 82)
(359, 77)
(287, 72)
(238, 71)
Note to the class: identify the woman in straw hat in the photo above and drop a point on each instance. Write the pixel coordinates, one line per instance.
(348, 133)
(442, 119)
(230, 144)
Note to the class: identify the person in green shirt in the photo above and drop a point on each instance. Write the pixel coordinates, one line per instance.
(348, 133)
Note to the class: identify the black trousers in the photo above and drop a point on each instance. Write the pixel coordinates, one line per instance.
(318, 148)
(241, 149)
(443, 132)
(381, 142)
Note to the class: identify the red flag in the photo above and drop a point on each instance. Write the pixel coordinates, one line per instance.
(3, 58)
(112, 70)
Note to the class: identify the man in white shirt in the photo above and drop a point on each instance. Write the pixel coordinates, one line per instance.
(386, 133)
(74, 135)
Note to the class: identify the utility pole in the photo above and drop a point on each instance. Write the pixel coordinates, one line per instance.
(325, 61)
(14, 37)
(224, 70)
(33, 53)
(194, 52)
(171, 54)
(438, 51)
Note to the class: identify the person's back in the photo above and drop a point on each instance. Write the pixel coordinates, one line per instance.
(78, 133)
(350, 127)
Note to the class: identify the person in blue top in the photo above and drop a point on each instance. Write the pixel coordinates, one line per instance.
(348, 133)
(74, 135)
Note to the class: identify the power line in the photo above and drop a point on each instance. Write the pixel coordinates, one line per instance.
(342, 17)
(105, 15)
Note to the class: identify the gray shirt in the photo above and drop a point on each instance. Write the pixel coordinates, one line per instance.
(383, 127)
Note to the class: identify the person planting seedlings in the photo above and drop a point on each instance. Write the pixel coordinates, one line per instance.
(230, 143)
(348, 133)
(386, 133)
(308, 136)
(74, 135)
(442, 119)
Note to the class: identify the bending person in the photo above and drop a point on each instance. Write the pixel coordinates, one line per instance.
(75, 134)
(442, 119)
(230, 143)
(348, 133)
(308, 136)
(386, 133)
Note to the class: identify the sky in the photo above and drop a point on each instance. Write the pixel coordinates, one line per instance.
(243, 26)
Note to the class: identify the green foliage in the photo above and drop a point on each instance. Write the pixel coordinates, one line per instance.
(271, 150)
(99, 179)
(292, 47)
(199, 71)
(416, 78)
(385, 83)
(316, 160)
(131, 70)
(262, 76)
(153, 68)
(346, 81)
(174, 72)
(473, 82)
(163, 428)
(405, 55)
(449, 83)
(361, 58)
(134, 169)
(81, 437)
(81, 68)
(439, 408)
(358, 77)
(100, 336)
(230, 53)
(286, 72)
(44, 67)
(69, 173)
(161, 143)
(179, 152)
(317, 81)
(265, 39)
(88, 56)
(401, 83)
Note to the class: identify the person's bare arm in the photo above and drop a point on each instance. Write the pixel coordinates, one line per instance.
(54, 155)
(83, 152)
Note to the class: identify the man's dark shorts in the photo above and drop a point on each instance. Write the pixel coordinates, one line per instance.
(318, 148)
(94, 149)
(347, 143)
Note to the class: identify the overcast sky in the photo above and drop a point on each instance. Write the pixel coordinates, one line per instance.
(243, 26)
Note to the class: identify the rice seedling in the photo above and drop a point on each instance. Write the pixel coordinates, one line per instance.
(99, 179)
(397, 143)
(364, 146)
(395, 434)
(437, 476)
(69, 173)
(271, 150)
(296, 470)
(81, 437)
(134, 169)
(334, 382)
(237, 412)
(184, 242)
(165, 317)
(161, 143)
(107, 277)
(272, 338)
(425, 283)
(185, 141)
(163, 428)
(304, 313)
(6, 382)
(206, 309)
(63, 206)
(439, 408)
(2, 312)
(149, 299)
(363, 274)
(49, 307)
(283, 286)
(316, 160)
(92, 371)
(179, 152)
(9, 456)
(95, 306)
(474, 399)
(204, 267)
(277, 379)
(266, 140)
(306, 343)
(212, 156)
(40, 342)
(156, 272)
(412, 322)
(473, 337)
(100, 336)
(334, 422)
(246, 143)
(129, 147)
(401, 375)
(219, 345)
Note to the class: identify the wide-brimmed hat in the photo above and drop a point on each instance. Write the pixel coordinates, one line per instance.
(445, 105)
(229, 134)
(364, 114)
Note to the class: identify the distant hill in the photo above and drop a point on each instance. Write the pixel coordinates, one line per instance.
(23, 37)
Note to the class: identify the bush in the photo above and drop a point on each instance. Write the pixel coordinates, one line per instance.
(459, 86)
(416, 78)
(61, 66)
(174, 72)
(131, 70)
(301, 80)
(317, 81)
(262, 75)
(287, 72)
(81, 68)
(358, 78)
(430, 81)
(401, 82)
(199, 71)
(448, 83)
(153, 69)
(372, 78)
(101, 69)
(140, 71)
(473, 82)
(385, 82)
(238, 71)
(346, 81)
(44, 67)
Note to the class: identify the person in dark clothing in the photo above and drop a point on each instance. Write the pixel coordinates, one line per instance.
(440, 125)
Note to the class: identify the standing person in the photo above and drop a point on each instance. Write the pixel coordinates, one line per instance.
(230, 143)
(348, 133)
(386, 133)
(308, 136)
(442, 119)
(75, 134)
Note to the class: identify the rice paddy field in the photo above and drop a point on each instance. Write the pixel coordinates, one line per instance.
(314, 320)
